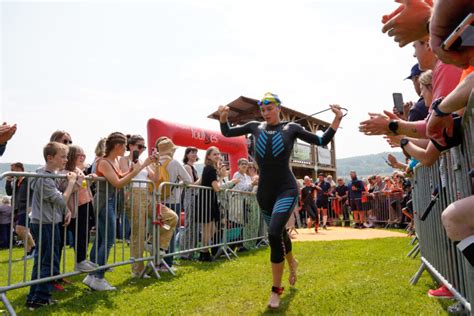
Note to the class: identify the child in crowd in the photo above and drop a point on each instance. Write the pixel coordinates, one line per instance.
(48, 209)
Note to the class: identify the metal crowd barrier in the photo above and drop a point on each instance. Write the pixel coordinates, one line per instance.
(380, 209)
(449, 176)
(51, 238)
(237, 224)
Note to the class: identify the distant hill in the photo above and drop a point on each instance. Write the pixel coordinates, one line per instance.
(367, 165)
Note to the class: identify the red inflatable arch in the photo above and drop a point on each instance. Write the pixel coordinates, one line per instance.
(183, 135)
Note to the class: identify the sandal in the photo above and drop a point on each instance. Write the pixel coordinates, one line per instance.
(293, 266)
(275, 290)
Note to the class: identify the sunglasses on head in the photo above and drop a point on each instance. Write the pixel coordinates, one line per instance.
(141, 147)
(67, 142)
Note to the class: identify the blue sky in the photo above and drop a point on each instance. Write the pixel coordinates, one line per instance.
(92, 68)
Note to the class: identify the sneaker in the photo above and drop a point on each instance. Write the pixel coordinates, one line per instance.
(58, 287)
(325, 227)
(33, 305)
(85, 266)
(88, 280)
(101, 285)
(442, 292)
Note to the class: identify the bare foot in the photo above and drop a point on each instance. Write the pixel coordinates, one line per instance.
(293, 266)
(274, 301)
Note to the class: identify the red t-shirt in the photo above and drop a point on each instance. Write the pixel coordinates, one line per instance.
(445, 79)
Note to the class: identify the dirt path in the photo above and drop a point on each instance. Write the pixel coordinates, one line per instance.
(343, 233)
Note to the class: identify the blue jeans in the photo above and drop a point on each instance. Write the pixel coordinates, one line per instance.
(104, 242)
(123, 226)
(177, 209)
(48, 249)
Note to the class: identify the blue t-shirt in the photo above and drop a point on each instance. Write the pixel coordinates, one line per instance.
(418, 111)
(356, 187)
(323, 193)
(342, 190)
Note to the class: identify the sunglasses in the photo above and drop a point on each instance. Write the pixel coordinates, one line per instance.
(81, 155)
(267, 102)
(67, 142)
(140, 147)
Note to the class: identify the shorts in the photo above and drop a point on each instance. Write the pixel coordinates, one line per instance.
(356, 205)
(322, 203)
(20, 219)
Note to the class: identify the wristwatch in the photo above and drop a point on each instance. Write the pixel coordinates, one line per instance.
(403, 142)
(393, 126)
(436, 110)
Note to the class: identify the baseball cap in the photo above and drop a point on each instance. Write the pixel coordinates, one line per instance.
(415, 71)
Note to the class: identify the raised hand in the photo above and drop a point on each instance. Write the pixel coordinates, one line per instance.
(408, 22)
(223, 111)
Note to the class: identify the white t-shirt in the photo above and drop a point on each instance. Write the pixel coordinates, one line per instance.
(245, 183)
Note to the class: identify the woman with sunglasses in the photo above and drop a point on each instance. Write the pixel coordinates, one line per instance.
(62, 137)
(277, 192)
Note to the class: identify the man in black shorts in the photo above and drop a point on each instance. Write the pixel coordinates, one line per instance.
(322, 201)
(356, 187)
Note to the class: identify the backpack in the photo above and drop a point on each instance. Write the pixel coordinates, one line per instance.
(164, 177)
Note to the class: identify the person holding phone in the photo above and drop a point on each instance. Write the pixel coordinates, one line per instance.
(277, 192)
(140, 201)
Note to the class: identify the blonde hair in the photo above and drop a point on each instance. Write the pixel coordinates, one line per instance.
(426, 78)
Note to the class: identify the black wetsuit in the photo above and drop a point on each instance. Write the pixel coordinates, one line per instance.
(277, 192)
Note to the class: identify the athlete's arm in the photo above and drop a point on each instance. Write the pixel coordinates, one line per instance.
(245, 129)
(311, 138)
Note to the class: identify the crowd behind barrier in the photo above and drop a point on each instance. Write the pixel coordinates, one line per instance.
(239, 225)
(449, 177)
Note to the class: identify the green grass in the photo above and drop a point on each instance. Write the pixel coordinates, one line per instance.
(356, 277)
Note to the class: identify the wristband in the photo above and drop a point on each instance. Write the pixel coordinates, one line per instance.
(435, 108)
(393, 126)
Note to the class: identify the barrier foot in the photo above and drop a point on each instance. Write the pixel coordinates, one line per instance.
(263, 242)
(232, 251)
(414, 249)
(225, 250)
(150, 267)
(7, 304)
(413, 240)
(418, 274)
(417, 252)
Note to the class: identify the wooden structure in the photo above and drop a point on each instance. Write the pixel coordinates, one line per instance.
(306, 159)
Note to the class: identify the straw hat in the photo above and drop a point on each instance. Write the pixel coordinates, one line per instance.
(166, 146)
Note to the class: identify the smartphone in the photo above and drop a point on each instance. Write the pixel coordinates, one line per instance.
(462, 36)
(398, 101)
(135, 155)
